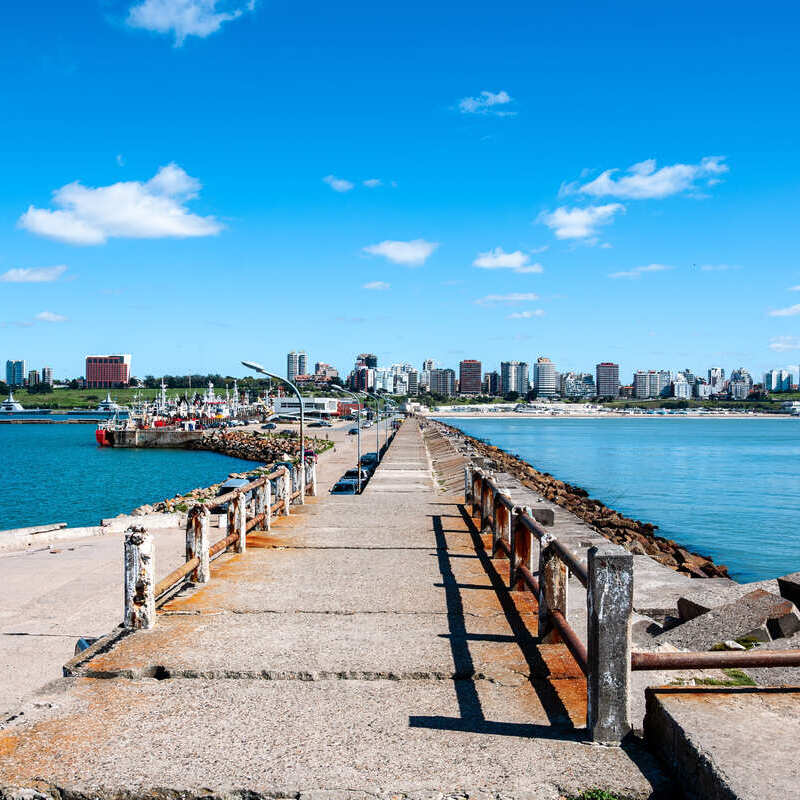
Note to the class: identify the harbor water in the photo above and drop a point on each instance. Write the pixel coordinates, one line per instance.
(727, 488)
(57, 473)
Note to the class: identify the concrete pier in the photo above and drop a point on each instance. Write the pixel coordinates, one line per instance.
(366, 646)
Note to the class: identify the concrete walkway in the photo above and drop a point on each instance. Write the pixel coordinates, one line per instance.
(366, 647)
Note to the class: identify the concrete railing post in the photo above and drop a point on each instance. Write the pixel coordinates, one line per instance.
(521, 550)
(553, 584)
(241, 523)
(267, 500)
(609, 601)
(467, 483)
(313, 491)
(198, 524)
(230, 527)
(140, 580)
(261, 504)
(286, 483)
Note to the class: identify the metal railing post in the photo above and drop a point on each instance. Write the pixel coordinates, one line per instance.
(198, 524)
(140, 582)
(553, 587)
(241, 523)
(609, 602)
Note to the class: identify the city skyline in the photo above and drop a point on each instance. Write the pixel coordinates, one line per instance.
(491, 202)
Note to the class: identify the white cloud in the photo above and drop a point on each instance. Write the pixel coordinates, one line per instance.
(120, 160)
(413, 254)
(49, 316)
(643, 181)
(499, 259)
(511, 299)
(154, 209)
(378, 286)
(373, 183)
(184, 18)
(486, 103)
(33, 274)
(718, 267)
(794, 288)
(781, 344)
(338, 184)
(791, 311)
(637, 272)
(526, 314)
(579, 223)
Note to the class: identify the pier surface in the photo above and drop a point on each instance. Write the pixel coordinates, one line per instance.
(365, 647)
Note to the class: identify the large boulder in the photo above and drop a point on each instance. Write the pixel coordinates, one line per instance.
(704, 596)
(758, 615)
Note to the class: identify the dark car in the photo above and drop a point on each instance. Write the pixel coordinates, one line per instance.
(268, 426)
(229, 486)
(316, 425)
(353, 432)
(345, 486)
(369, 459)
(353, 473)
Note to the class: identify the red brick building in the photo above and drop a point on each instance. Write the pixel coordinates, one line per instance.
(469, 376)
(108, 372)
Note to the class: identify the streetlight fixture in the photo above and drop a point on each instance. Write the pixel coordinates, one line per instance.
(358, 427)
(377, 422)
(256, 367)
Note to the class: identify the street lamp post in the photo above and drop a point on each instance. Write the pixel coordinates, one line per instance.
(358, 427)
(377, 422)
(258, 368)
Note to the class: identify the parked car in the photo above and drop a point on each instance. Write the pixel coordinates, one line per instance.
(316, 425)
(353, 432)
(269, 426)
(369, 459)
(325, 424)
(345, 486)
(353, 473)
(229, 486)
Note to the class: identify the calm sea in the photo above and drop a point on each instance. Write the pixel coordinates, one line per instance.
(728, 488)
(57, 473)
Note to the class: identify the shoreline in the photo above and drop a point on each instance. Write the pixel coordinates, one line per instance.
(610, 415)
(637, 537)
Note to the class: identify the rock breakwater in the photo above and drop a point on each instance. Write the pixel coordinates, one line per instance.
(634, 535)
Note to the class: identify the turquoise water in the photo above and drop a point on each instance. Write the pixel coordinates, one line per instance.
(728, 488)
(66, 477)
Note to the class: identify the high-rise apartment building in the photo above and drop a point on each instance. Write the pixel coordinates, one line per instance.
(778, 380)
(577, 384)
(368, 359)
(47, 375)
(15, 372)
(491, 383)
(413, 381)
(607, 379)
(34, 379)
(323, 370)
(428, 364)
(108, 372)
(514, 377)
(469, 376)
(716, 380)
(544, 377)
(296, 364)
(443, 381)
(641, 385)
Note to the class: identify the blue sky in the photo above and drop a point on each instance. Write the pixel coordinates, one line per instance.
(184, 180)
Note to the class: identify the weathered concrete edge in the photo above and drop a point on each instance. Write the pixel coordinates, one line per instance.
(692, 767)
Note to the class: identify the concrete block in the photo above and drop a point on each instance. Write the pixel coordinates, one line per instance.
(702, 598)
(721, 743)
(789, 587)
(758, 614)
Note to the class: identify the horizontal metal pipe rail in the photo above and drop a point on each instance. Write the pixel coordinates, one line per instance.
(608, 659)
(142, 593)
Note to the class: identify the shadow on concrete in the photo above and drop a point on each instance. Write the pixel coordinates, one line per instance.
(471, 717)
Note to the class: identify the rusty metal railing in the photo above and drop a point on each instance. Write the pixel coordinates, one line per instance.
(143, 594)
(607, 659)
